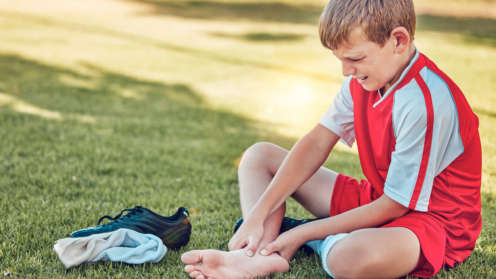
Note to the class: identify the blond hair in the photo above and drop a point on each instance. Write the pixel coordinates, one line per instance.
(372, 19)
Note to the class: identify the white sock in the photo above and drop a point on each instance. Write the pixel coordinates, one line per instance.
(323, 247)
(315, 245)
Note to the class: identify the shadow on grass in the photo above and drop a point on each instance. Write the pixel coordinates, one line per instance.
(481, 31)
(262, 37)
(140, 130)
(166, 46)
(132, 109)
(235, 11)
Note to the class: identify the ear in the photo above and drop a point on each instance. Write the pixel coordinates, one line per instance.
(401, 39)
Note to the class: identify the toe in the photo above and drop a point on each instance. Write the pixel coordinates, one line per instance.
(195, 274)
(192, 257)
(189, 268)
(192, 267)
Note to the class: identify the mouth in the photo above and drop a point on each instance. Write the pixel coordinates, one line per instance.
(362, 80)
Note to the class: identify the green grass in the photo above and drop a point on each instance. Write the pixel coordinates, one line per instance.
(151, 102)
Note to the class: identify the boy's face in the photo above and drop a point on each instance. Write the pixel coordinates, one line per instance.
(373, 66)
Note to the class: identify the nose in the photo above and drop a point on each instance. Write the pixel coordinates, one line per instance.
(348, 69)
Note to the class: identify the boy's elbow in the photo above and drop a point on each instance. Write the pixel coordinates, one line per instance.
(401, 210)
(322, 138)
(397, 212)
(396, 209)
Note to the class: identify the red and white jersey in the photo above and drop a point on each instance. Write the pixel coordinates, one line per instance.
(418, 143)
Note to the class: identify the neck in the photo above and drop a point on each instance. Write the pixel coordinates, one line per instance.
(410, 54)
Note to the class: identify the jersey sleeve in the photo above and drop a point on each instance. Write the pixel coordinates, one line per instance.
(425, 125)
(339, 117)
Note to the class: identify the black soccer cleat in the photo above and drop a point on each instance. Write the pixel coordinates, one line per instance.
(175, 230)
(287, 224)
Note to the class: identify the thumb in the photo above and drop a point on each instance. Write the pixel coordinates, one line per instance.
(230, 245)
(252, 246)
(270, 248)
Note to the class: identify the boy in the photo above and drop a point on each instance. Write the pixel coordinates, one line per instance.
(419, 148)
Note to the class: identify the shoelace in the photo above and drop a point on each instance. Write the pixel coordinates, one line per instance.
(132, 211)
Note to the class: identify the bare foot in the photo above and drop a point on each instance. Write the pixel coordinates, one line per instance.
(236, 264)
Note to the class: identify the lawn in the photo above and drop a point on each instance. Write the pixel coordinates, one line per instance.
(108, 104)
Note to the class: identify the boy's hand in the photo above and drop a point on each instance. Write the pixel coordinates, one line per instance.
(285, 245)
(247, 236)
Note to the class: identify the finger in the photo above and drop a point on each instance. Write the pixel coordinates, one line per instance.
(192, 267)
(252, 246)
(234, 241)
(232, 246)
(236, 245)
(229, 245)
(195, 274)
(270, 248)
(192, 257)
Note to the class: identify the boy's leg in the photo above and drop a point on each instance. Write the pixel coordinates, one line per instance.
(367, 253)
(374, 253)
(257, 169)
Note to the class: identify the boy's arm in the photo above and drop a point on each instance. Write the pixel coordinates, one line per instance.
(381, 211)
(306, 157)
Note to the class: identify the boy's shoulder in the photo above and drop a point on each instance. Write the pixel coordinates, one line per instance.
(430, 96)
(429, 87)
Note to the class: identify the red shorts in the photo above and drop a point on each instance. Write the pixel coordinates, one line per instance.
(348, 194)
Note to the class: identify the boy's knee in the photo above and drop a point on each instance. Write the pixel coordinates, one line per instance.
(260, 148)
(338, 262)
(351, 258)
(257, 153)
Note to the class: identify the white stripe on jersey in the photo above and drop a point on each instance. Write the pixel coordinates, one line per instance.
(409, 124)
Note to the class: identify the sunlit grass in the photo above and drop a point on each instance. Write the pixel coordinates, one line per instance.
(108, 104)
(23, 107)
(471, 8)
